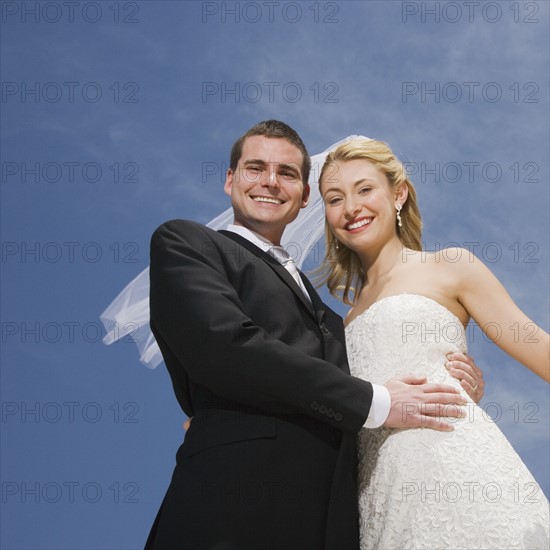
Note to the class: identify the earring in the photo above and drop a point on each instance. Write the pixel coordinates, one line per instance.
(398, 207)
(336, 244)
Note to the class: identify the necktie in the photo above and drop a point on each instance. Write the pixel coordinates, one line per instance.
(282, 256)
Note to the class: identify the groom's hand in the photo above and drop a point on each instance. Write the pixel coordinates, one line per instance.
(417, 404)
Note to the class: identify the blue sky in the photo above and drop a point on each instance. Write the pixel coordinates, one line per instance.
(117, 116)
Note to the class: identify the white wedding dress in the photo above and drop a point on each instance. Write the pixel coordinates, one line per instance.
(420, 488)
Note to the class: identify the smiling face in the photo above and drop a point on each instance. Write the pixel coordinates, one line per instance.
(360, 204)
(266, 188)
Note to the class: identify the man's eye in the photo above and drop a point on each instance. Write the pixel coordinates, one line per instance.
(253, 172)
(289, 175)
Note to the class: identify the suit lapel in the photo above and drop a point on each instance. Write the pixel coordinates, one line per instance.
(280, 270)
(316, 302)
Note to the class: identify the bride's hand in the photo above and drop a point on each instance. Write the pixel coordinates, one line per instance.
(417, 404)
(464, 369)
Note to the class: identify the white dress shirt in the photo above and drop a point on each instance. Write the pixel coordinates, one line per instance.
(381, 400)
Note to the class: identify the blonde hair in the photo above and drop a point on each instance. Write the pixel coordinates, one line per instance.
(341, 269)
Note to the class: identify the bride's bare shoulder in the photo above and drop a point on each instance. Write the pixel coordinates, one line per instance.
(452, 258)
(449, 267)
(350, 315)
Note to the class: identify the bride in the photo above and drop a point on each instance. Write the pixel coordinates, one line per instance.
(419, 488)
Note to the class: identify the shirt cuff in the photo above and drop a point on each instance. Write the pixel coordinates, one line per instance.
(380, 407)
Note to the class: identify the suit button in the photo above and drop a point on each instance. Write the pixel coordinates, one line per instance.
(323, 328)
(323, 409)
(330, 413)
(338, 417)
(314, 405)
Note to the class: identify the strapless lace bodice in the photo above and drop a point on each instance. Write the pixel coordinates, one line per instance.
(404, 334)
(425, 489)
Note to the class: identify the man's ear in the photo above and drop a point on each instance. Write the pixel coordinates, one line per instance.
(305, 195)
(228, 185)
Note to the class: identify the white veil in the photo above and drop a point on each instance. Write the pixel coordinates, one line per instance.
(127, 316)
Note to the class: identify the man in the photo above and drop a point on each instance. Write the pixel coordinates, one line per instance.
(259, 362)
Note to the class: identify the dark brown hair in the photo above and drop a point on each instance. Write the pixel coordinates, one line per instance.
(272, 129)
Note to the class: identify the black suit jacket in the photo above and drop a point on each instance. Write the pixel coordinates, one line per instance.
(269, 461)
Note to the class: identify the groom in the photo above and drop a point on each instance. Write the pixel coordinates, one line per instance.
(259, 362)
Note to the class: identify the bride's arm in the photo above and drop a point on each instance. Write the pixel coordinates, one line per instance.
(492, 308)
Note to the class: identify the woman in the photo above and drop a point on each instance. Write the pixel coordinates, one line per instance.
(419, 488)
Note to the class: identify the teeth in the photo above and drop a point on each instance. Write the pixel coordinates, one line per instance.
(359, 224)
(266, 199)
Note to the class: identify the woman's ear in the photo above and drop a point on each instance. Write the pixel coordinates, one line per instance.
(401, 193)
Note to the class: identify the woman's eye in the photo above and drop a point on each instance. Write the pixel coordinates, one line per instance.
(364, 190)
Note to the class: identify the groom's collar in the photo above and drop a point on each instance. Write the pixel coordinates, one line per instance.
(251, 240)
(255, 238)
